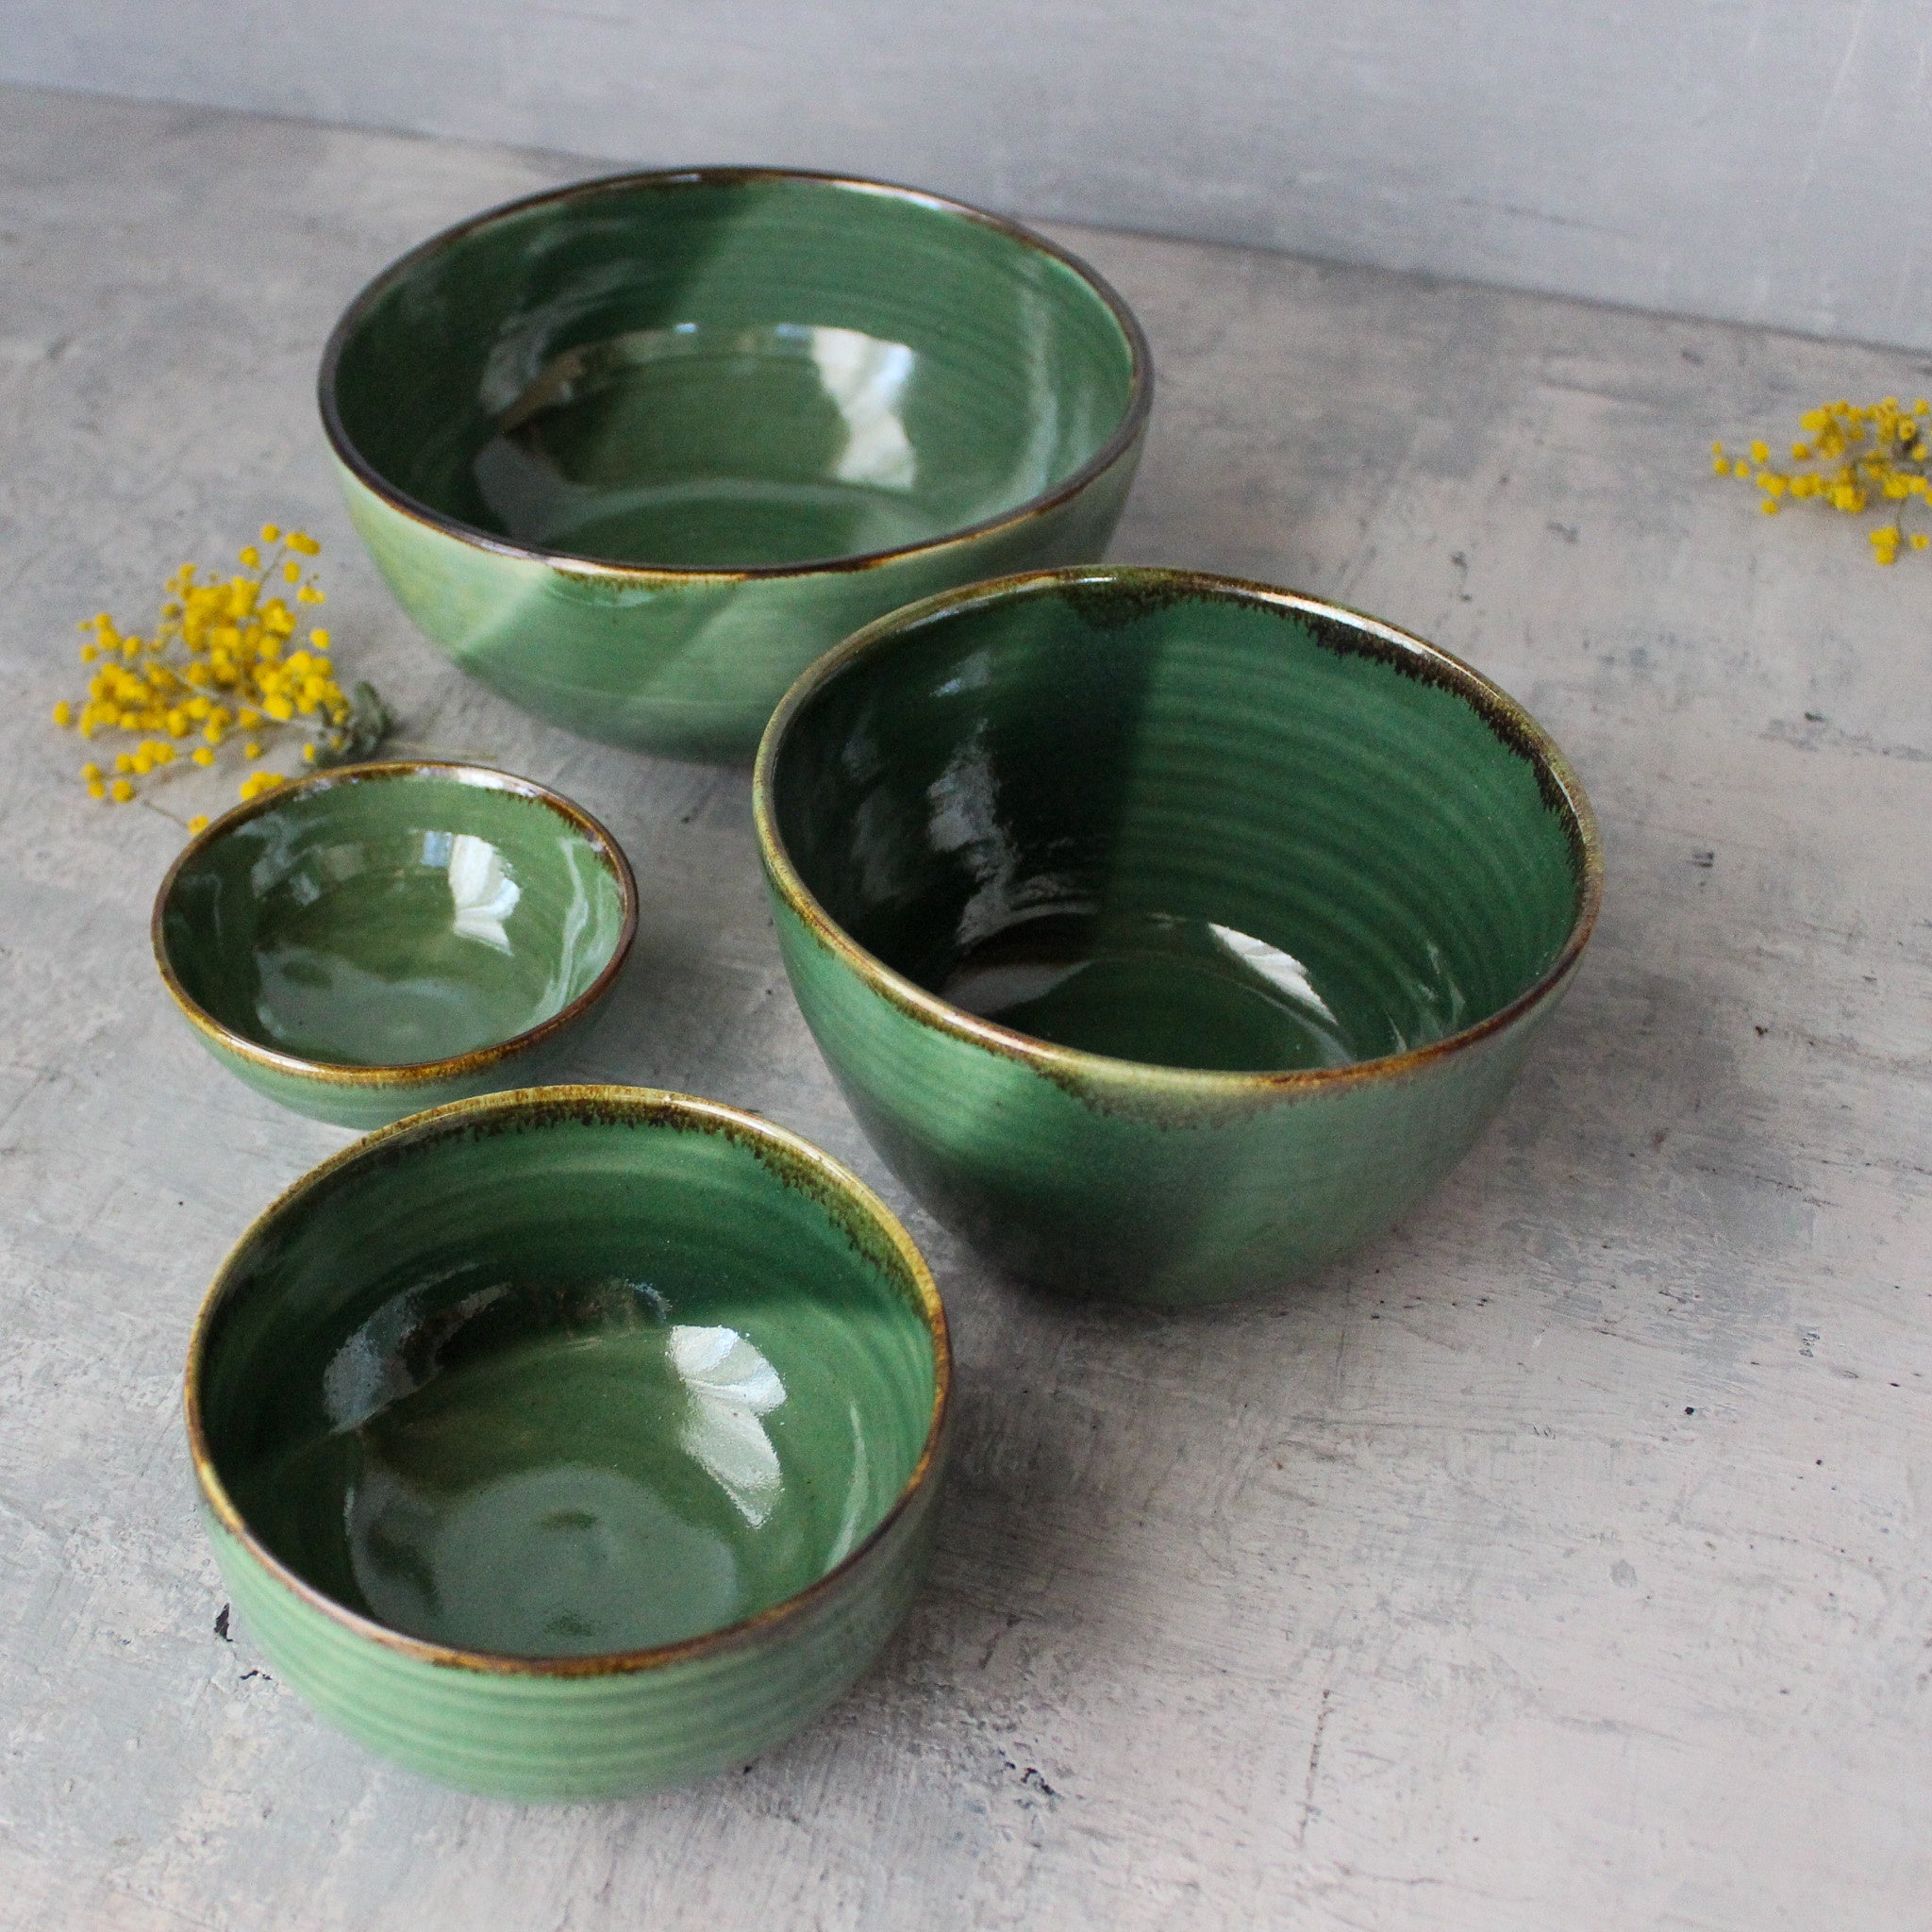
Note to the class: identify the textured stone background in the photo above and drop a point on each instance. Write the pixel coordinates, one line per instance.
(1558, 1563)
(1754, 159)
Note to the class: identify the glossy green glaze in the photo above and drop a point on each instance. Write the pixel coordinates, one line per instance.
(372, 940)
(635, 452)
(1170, 936)
(573, 1441)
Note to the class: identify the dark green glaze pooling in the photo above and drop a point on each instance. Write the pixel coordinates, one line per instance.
(566, 1385)
(1169, 935)
(636, 451)
(366, 944)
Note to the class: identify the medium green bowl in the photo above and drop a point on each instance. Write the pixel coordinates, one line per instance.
(635, 452)
(1169, 935)
(382, 937)
(571, 1442)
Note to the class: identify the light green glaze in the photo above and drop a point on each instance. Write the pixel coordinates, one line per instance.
(1256, 906)
(384, 937)
(571, 1442)
(635, 452)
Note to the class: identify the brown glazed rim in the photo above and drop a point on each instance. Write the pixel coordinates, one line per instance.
(797, 1159)
(1367, 635)
(477, 1059)
(1133, 419)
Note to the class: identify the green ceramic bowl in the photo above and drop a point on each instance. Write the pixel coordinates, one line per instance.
(573, 1441)
(634, 452)
(375, 940)
(1169, 935)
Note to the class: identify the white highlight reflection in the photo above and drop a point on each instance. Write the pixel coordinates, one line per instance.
(731, 1385)
(865, 378)
(1278, 968)
(484, 892)
(857, 1495)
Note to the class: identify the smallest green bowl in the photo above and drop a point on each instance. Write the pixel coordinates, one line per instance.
(384, 937)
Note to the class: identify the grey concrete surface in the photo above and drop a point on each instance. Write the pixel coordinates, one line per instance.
(1748, 158)
(1562, 1562)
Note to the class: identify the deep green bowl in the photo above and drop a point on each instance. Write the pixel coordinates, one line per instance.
(372, 940)
(1169, 935)
(635, 452)
(571, 1442)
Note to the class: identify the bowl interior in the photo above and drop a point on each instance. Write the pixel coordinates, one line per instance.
(724, 373)
(1179, 825)
(392, 919)
(568, 1378)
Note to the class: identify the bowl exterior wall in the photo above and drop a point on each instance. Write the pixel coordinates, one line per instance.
(366, 1106)
(1119, 1187)
(528, 1736)
(685, 667)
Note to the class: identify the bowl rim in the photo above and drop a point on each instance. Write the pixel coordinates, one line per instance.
(1125, 434)
(1368, 636)
(400, 1073)
(650, 1107)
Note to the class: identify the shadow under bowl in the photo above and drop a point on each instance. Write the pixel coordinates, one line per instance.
(383, 938)
(571, 1442)
(1169, 935)
(635, 452)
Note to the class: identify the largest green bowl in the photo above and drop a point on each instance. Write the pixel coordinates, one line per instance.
(635, 452)
(1169, 935)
